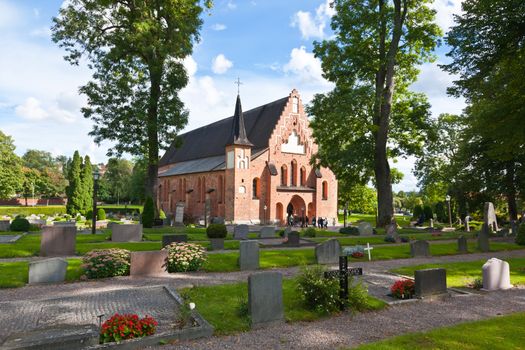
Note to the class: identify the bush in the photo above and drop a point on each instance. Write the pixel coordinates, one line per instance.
(357, 297)
(427, 210)
(148, 214)
(309, 232)
(280, 233)
(162, 214)
(216, 231)
(184, 257)
(122, 327)
(19, 224)
(318, 293)
(520, 237)
(441, 212)
(101, 214)
(89, 214)
(349, 230)
(102, 263)
(418, 210)
(390, 239)
(403, 289)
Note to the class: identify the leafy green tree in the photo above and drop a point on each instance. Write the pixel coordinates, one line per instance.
(362, 199)
(118, 177)
(138, 180)
(74, 190)
(86, 180)
(371, 116)
(135, 49)
(11, 177)
(39, 160)
(49, 180)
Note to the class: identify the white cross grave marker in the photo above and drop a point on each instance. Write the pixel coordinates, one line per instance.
(369, 248)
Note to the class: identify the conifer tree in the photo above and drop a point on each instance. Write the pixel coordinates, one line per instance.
(87, 185)
(74, 188)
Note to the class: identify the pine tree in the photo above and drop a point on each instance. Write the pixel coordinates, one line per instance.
(87, 185)
(74, 189)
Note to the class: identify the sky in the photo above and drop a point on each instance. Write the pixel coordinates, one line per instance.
(267, 43)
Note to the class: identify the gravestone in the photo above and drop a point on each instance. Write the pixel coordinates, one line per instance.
(149, 263)
(267, 232)
(265, 298)
(287, 230)
(4, 225)
(47, 271)
(168, 239)
(419, 249)
(64, 223)
(58, 240)
(179, 213)
(342, 274)
(496, 275)
(217, 220)
(365, 228)
(462, 244)
(293, 239)
(249, 255)
(430, 282)
(391, 231)
(483, 238)
(328, 252)
(126, 233)
(37, 222)
(240, 231)
(489, 216)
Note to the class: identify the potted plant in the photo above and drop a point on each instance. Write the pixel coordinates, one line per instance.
(216, 233)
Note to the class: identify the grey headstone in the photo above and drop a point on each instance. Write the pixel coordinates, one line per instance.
(58, 240)
(365, 228)
(179, 213)
(496, 274)
(168, 239)
(148, 263)
(293, 239)
(462, 244)
(217, 243)
(419, 249)
(328, 252)
(37, 222)
(240, 232)
(430, 282)
(267, 232)
(483, 238)
(265, 298)
(217, 220)
(126, 233)
(249, 255)
(4, 225)
(489, 216)
(391, 231)
(47, 271)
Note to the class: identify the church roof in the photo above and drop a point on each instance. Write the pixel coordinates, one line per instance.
(210, 140)
(238, 132)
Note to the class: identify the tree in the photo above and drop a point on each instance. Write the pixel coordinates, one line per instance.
(138, 180)
(372, 60)
(74, 188)
(86, 180)
(38, 160)
(10, 167)
(48, 180)
(135, 49)
(118, 177)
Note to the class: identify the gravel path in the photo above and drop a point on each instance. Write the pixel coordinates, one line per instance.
(347, 330)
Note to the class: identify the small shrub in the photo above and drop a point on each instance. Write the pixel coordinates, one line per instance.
(280, 233)
(184, 257)
(216, 231)
(390, 239)
(403, 289)
(101, 214)
(122, 327)
(357, 296)
(148, 214)
(520, 237)
(477, 283)
(319, 293)
(418, 210)
(309, 232)
(243, 309)
(185, 312)
(349, 230)
(103, 263)
(19, 224)
(89, 214)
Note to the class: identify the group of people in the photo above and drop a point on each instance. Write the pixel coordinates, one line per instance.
(305, 222)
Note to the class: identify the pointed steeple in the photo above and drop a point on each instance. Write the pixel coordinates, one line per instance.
(238, 135)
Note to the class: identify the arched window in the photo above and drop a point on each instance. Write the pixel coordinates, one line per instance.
(180, 190)
(256, 188)
(294, 172)
(219, 189)
(325, 190)
(203, 191)
(303, 176)
(284, 175)
(199, 189)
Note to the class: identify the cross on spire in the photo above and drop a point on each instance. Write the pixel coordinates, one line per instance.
(238, 83)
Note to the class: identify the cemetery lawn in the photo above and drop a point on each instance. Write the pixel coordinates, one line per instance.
(401, 220)
(221, 305)
(460, 274)
(16, 274)
(504, 332)
(380, 239)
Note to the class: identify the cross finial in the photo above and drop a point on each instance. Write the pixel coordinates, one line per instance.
(238, 83)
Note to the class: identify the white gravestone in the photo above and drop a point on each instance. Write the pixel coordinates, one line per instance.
(496, 275)
(365, 229)
(179, 213)
(489, 216)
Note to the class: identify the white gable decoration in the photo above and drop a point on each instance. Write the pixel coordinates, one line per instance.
(293, 145)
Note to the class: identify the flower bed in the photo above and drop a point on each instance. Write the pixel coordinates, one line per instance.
(403, 289)
(122, 327)
(102, 263)
(357, 255)
(184, 257)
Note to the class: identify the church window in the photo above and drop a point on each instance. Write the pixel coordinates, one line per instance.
(294, 173)
(284, 175)
(220, 189)
(256, 188)
(203, 190)
(243, 161)
(295, 105)
(199, 189)
(303, 176)
(325, 190)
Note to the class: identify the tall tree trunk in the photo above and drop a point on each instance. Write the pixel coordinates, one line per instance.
(510, 187)
(153, 138)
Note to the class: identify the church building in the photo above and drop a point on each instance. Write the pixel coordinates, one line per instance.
(252, 168)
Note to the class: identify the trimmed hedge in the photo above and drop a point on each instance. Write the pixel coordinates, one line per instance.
(349, 230)
(216, 231)
(19, 224)
(26, 211)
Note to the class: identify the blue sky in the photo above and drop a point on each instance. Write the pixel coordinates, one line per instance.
(267, 43)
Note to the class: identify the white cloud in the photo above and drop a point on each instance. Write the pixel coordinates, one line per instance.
(9, 15)
(305, 66)
(313, 26)
(231, 5)
(218, 27)
(31, 109)
(190, 65)
(63, 109)
(445, 11)
(221, 64)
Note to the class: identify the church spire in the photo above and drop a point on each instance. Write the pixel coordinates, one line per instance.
(238, 135)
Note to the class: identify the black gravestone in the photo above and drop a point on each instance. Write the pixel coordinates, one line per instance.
(343, 274)
(430, 282)
(462, 244)
(168, 239)
(293, 239)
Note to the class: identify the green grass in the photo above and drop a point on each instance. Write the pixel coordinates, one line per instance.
(15, 274)
(401, 220)
(505, 332)
(460, 274)
(219, 305)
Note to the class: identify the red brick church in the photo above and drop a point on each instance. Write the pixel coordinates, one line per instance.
(253, 168)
